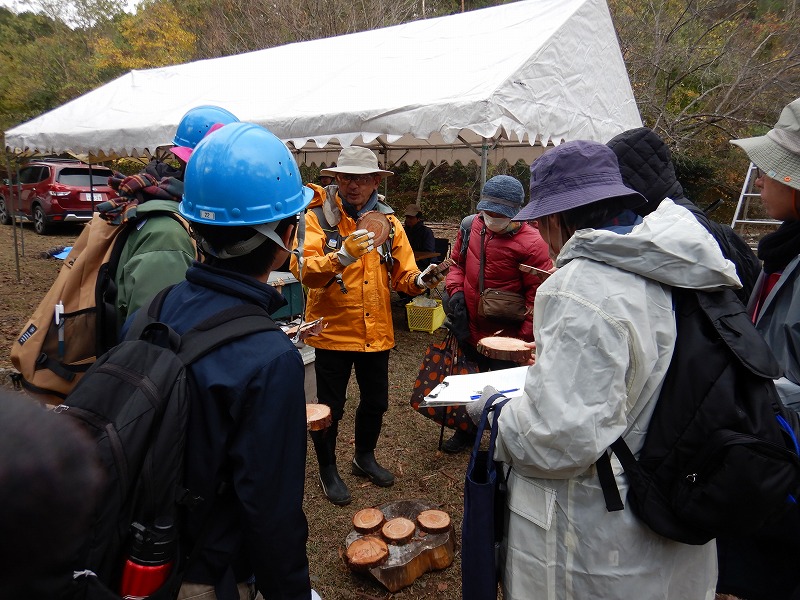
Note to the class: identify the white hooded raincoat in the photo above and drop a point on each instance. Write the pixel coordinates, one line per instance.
(605, 332)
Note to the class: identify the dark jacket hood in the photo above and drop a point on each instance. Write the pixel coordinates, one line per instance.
(645, 162)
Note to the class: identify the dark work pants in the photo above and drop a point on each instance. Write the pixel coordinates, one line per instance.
(333, 369)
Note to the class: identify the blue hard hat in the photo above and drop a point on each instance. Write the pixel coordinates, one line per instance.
(197, 121)
(243, 175)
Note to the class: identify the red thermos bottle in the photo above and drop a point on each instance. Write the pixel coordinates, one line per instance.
(150, 560)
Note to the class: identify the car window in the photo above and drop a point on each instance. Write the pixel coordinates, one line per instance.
(30, 174)
(80, 177)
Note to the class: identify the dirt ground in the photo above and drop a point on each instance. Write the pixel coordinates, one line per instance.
(408, 443)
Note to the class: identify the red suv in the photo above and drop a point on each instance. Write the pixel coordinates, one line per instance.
(51, 191)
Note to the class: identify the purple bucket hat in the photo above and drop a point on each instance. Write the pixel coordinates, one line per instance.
(575, 174)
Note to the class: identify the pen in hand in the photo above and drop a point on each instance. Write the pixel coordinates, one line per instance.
(59, 319)
(476, 396)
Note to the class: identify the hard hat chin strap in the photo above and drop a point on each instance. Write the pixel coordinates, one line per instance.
(238, 249)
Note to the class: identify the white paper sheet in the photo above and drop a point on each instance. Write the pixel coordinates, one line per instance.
(463, 389)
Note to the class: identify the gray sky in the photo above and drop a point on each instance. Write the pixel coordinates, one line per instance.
(16, 5)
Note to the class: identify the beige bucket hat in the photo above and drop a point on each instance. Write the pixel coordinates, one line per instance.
(778, 152)
(356, 160)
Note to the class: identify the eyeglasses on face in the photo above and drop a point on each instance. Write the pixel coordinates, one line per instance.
(771, 174)
(359, 179)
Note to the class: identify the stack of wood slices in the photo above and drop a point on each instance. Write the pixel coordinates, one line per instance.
(400, 541)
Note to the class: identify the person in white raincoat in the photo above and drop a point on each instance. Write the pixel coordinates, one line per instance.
(605, 332)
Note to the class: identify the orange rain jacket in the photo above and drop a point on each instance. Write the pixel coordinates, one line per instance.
(361, 319)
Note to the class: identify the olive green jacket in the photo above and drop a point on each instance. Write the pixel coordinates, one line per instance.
(156, 254)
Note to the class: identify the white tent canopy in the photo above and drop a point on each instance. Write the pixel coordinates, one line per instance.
(512, 77)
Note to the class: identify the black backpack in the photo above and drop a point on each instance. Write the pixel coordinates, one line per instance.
(134, 402)
(720, 456)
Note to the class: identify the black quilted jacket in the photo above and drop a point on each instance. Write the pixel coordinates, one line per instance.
(646, 166)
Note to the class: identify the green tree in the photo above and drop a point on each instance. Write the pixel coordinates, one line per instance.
(153, 37)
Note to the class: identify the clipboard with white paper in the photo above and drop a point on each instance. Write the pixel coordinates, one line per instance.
(462, 389)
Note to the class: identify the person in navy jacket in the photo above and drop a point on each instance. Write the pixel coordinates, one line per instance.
(247, 422)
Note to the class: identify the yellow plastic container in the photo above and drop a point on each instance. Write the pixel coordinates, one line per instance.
(424, 318)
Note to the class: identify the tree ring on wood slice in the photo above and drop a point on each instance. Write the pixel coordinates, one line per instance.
(505, 348)
(377, 223)
(318, 416)
(367, 552)
(433, 521)
(398, 531)
(368, 520)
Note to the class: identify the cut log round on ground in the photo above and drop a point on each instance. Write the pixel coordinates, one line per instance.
(433, 521)
(398, 531)
(318, 416)
(368, 520)
(377, 223)
(505, 348)
(367, 552)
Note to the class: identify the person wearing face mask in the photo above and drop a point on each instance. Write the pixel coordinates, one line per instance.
(504, 245)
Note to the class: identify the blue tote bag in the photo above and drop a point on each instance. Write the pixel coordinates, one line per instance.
(484, 507)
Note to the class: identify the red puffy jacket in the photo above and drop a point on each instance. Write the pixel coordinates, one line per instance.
(504, 253)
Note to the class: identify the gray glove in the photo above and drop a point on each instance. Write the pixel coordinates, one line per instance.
(475, 408)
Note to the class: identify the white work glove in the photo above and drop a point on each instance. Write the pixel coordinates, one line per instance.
(355, 246)
(315, 595)
(430, 277)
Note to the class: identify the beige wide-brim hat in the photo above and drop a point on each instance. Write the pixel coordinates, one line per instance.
(356, 160)
(412, 210)
(778, 152)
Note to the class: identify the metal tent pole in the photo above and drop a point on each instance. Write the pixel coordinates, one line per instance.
(13, 218)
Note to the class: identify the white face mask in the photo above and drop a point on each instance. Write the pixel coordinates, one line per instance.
(496, 224)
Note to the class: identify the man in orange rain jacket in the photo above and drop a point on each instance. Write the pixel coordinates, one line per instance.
(349, 279)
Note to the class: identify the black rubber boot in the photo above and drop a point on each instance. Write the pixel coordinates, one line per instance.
(333, 487)
(365, 465)
(461, 440)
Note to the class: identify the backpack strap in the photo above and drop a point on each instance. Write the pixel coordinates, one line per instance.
(107, 329)
(222, 328)
(208, 335)
(143, 317)
(606, 474)
(465, 228)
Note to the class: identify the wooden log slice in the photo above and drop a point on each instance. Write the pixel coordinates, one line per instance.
(442, 268)
(368, 520)
(318, 416)
(433, 521)
(377, 223)
(366, 553)
(505, 348)
(398, 531)
(306, 329)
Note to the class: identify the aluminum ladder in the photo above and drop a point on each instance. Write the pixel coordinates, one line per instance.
(741, 215)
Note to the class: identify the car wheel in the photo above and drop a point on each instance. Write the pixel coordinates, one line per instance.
(40, 225)
(5, 218)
